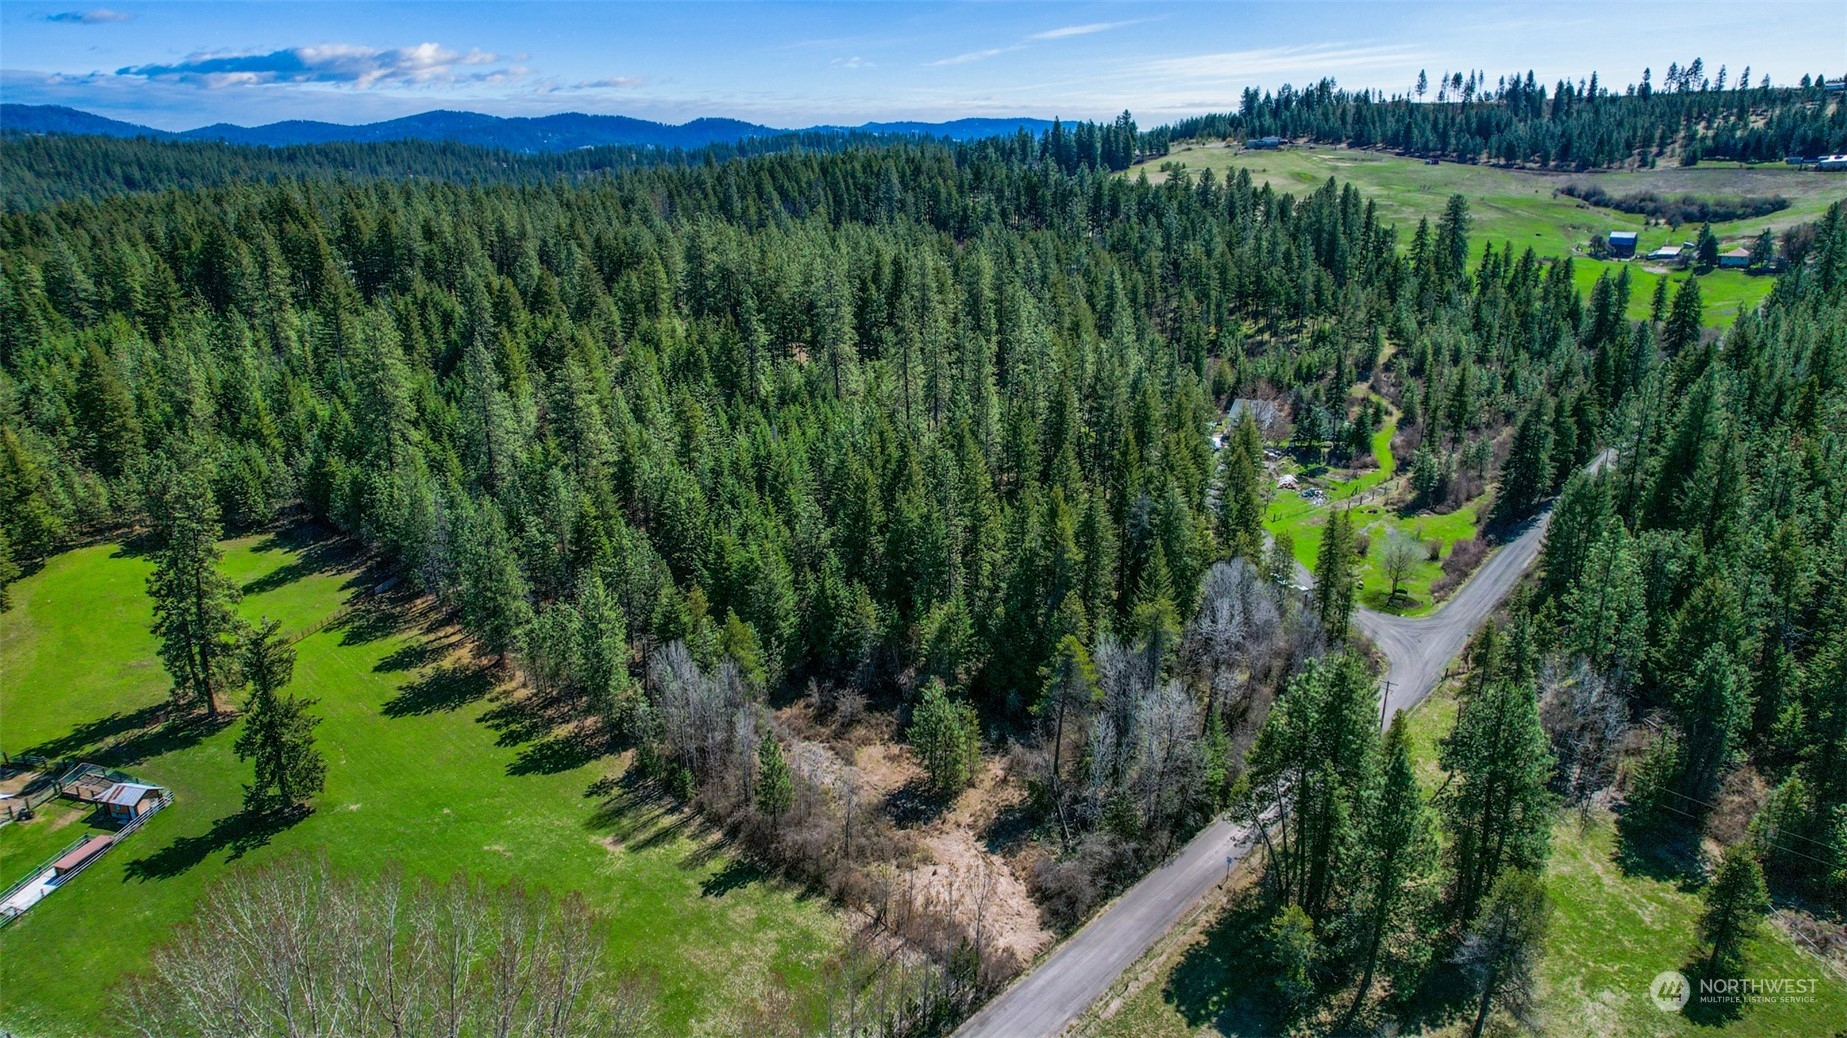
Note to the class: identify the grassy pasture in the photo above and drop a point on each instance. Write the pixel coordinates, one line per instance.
(429, 767)
(1523, 208)
(1612, 930)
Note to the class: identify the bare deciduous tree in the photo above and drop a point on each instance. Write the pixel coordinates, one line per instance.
(1586, 721)
(295, 950)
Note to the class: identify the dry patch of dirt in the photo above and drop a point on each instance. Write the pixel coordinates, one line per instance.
(983, 887)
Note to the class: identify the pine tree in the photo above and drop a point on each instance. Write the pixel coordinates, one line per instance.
(278, 731)
(9, 571)
(1398, 854)
(1495, 804)
(1241, 500)
(493, 590)
(775, 785)
(946, 738)
(1736, 901)
(1528, 474)
(1336, 570)
(1308, 771)
(1069, 696)
(1712, 711)
(1500, 953)
(1686, 321)
(195, 606)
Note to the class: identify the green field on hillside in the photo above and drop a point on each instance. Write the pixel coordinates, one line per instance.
(1525, 208)
(427, 766)
(1611, 932)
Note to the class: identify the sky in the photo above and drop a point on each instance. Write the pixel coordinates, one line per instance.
(180, 65)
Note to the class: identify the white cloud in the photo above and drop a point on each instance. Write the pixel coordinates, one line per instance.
(853, 62)
(1065, 31)
(99, 16)
(341, 64)
(974, 55)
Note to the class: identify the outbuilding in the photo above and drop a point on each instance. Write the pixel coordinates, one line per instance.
(127, 801)
(79, 856)
(1264, 143)
(1622, 244)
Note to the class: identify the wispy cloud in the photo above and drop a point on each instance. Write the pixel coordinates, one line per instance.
(1312, 60)
(973, 55)
(340, 64)
(853, 62)
(1065, 31)
(592, 85)
(100, 16)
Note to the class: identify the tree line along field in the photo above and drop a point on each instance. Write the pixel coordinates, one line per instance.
(429, 767)
(1524, 209)
(1616, 923)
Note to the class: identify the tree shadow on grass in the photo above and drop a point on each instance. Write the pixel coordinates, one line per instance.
(1226, 980)
(444, 689)
(241, 833)
(736, 875)
(640, 815)
(1711, 1010)
(412, 656)
(564, 751)
(91, 734)
(322, 554)
(176, 734)
(373, 618)
(1659, 850)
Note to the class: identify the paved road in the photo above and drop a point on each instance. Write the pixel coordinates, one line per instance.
(1417, 650)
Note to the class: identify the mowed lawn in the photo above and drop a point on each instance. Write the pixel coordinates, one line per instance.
(1524, 209)
(1612, 932)
(428, 767)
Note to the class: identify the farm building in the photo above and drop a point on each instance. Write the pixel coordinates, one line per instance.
(1832, 163)
(79, 856)
(127, 801)
(1736, 258)
(1265, 143)
(1667, 254)
(1622, 244)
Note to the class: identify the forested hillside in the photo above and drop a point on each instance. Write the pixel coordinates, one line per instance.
(931, 425)
(1516, 120)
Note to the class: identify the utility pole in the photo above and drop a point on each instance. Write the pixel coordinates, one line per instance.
(1385, 697)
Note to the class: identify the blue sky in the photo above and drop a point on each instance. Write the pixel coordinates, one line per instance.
(179, 65)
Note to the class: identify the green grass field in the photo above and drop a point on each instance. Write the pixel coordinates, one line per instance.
(428, 767)
(1524, 208)
(1612, 931)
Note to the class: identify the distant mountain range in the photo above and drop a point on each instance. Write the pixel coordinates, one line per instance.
(561, 132)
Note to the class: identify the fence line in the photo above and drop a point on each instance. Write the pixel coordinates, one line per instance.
(322, 624)
(137, 822)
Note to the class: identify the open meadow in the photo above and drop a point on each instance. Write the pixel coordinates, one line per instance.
(429, 766)
(1526, 209)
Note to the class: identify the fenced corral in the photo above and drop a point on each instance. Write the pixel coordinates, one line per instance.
(55, 872)
(86, 783)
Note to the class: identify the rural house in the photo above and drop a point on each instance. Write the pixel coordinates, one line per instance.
(1736, 259)
(1265, 143)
